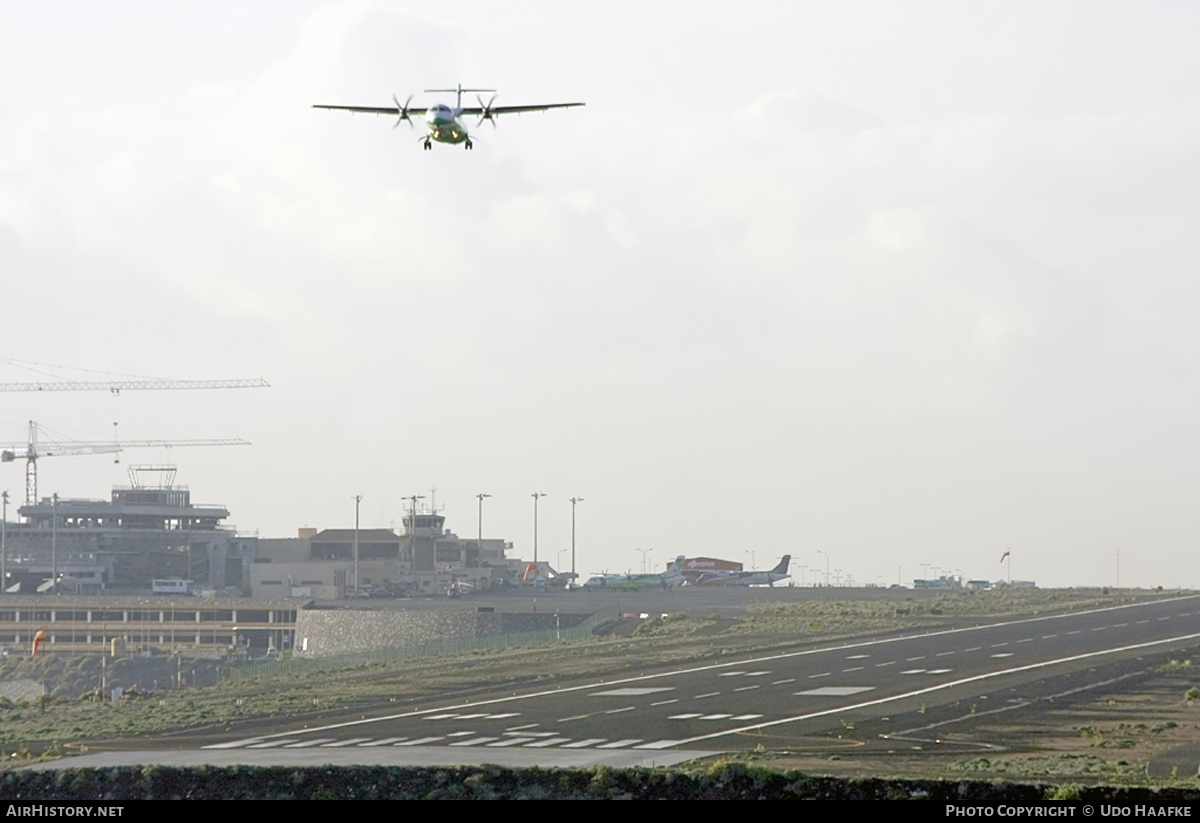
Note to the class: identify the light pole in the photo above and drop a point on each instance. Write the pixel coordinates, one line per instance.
(412, 536)
(357, 501)
(4, 546)
(644, 552)
(54, 543)
(480, 496)
(826, 567)
(574, 500)
(536, 496)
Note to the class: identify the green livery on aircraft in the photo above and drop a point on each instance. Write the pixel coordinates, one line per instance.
(442, 124)
(673, 576)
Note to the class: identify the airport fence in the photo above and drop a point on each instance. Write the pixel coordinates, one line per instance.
(439, 648)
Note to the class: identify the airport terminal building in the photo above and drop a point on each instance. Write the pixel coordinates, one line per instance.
(123, 545)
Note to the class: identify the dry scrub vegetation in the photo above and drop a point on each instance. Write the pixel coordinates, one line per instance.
(69, 716)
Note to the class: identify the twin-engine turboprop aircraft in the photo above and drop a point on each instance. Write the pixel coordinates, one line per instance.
(441, 121)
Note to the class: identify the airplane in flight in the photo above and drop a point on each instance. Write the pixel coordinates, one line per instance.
(673, 576)
(441, 121)
(766, 578)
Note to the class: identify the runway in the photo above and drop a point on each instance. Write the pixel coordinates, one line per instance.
(662, 717)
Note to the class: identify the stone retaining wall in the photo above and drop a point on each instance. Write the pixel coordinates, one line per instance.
(346, 631)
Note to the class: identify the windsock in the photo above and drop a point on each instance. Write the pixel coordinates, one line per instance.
(1006, 554)
(37, 641)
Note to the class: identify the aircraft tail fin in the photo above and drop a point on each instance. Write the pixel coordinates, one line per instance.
(783, 565)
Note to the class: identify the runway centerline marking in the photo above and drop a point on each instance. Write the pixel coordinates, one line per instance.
(889, 663)
(823, 674)
(706, 694)
(834, 691)
(1048, 636)
(665, 702)
(853, 669)
(973, 649)
(779, 682)
(924, 636)
(746, 688)
(633, 692)
(618, 711)
(930, 689)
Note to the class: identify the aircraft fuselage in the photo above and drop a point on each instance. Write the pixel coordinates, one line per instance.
(442, 124)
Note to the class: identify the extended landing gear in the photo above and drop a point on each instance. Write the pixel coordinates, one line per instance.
(428, 145)
(470, 145)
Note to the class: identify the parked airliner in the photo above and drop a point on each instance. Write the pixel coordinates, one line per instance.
(752, 578)
(441, 121)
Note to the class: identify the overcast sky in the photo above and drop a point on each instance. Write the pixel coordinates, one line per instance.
(906, 283)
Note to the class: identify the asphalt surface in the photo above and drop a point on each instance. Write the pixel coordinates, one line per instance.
(663, 717)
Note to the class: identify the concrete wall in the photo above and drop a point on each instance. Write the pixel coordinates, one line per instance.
(343, 631)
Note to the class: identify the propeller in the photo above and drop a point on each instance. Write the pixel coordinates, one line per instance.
(487, 111)
(402, 111)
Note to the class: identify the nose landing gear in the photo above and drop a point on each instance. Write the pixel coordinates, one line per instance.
(470, 145)
(428, 145)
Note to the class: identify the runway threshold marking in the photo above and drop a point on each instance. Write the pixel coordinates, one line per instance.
(935, 688)
(708, 667)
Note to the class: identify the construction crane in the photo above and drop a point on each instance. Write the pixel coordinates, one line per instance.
(31, 451)
(118, 386)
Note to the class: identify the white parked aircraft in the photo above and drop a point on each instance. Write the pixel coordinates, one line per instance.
(751, 578)
(441, 121)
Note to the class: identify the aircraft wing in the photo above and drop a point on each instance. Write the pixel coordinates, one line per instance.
(476, 110)
(373, 109)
